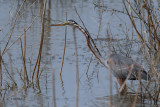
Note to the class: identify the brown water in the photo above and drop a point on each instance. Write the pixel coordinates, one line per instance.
(94, 87)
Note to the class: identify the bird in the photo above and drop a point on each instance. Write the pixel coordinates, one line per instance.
(122, 67)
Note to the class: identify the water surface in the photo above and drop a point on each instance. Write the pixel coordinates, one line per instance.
(94, 87)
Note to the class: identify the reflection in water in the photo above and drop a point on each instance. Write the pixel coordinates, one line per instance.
(1, 104)
(119, 101)
(54, 88)
(62, 85)
(77, 68)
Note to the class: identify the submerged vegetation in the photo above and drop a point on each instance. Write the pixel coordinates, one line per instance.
(142, 31)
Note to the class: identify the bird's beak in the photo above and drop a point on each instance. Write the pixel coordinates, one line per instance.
(62, 24)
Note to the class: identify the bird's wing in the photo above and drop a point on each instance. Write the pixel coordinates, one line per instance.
(123, 66)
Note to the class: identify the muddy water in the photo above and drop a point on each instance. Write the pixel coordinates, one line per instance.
(94, 88)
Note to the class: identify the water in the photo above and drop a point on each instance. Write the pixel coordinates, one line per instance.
(93, 88)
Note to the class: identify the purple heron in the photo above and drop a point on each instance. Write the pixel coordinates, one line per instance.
(122, 67)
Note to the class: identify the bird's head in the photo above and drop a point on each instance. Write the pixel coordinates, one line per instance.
(69, 22)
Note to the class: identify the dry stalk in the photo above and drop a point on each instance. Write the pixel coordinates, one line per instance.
(23, 51)
(24, 57)
(41, 42)
(124, 83)
(136, 97)
(24, 79)
(34, 69)
(64, 49)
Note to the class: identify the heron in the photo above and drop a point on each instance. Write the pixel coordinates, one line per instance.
(122, 67)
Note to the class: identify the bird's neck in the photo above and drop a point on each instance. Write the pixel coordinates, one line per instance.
(90, 45)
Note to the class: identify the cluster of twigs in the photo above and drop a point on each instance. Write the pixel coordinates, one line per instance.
(4, 72)
(144, 17)
(148, 16)
(148, 34)
(37, 65)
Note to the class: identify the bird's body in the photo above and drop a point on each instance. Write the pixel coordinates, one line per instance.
(122, 67)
